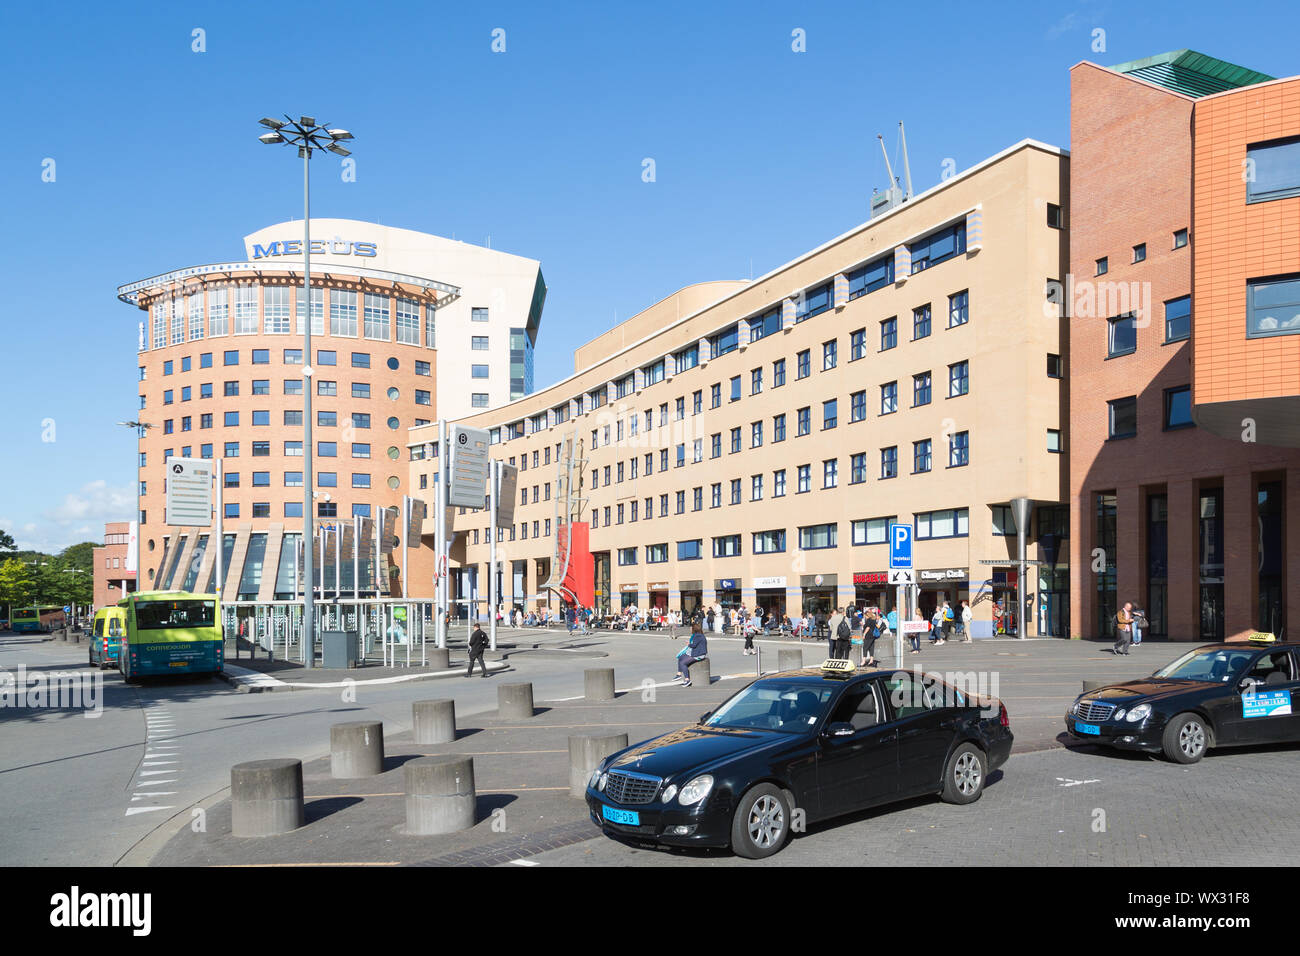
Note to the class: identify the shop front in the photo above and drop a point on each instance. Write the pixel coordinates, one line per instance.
(728, 592)
(627, 595)
(871, 589)
(769, 594)
(658, 595)
(937, 585)
(692, 596)
(819, 593)
(1004, 585)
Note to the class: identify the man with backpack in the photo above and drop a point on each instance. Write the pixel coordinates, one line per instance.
(841, 632)
(478, 642)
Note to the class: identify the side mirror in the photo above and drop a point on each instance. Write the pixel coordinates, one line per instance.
(840, 729)
(704, 716)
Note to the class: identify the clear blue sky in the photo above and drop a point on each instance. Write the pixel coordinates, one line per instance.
(761, 153)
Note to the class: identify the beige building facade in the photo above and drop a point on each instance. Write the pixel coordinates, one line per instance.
(748, 443)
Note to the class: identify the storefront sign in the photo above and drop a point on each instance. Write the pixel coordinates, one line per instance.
(818, 580)
(871, 577)
(944, 574)
(658, 586)
(727, 584)
(628, 588)
(319, 247)
(769, 582)
(690, 585)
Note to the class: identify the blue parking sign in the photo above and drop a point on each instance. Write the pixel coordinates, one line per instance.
(900, 547)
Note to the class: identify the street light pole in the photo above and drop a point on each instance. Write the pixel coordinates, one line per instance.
(307, 136)
(140, 428)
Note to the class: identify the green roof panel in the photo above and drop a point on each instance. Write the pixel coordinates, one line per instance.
(1191, 73)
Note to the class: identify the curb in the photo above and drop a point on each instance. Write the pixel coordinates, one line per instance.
(255, 682)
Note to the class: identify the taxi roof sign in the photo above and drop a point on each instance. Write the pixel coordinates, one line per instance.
(1263, 637)
(837, 667)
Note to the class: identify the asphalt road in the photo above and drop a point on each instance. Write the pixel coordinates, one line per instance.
(85, 790)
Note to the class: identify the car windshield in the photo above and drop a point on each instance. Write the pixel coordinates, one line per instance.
(1218, 665)
(160, 615)
(786, 706)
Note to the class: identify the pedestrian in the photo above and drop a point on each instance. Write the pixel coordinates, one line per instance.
(916, 633)
(840, 632)
(478, 642)
(859, 638)
(965, 618)
(936, 626)
(695, 650)
(947, 621)
(1139, 625)
(1124, 629)
(872, 628)
(749, 627)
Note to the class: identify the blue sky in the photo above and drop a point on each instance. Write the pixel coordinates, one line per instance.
(760, 152)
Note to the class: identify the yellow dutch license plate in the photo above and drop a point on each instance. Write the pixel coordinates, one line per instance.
(178, 664)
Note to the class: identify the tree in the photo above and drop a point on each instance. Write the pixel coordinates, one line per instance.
(7, 541)
(17, 585)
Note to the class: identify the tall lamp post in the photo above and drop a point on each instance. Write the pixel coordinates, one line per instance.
(140, 429)
(307, 136)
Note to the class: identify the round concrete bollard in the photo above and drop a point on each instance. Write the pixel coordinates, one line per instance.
(265, 797)
(440, 795)
(700, 673)
(1095, 684)
(440, 658)
(515, 700)
(586, 751)
(789, 659)
(74, 637)
(434, 721)
(357, 749)
(598, 684)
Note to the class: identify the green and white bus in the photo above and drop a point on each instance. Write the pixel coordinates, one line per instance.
(171, 632)
(37, 620)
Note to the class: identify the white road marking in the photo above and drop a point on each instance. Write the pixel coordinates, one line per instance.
(525, 863)
(133, 810)
(1067, 782)
(158, 763)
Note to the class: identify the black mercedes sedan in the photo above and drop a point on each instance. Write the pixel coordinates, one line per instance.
(796, 747)
(1219, 695)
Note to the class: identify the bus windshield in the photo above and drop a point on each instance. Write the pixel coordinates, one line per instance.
(159, 615)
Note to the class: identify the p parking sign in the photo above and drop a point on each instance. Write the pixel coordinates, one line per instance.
(900, 547)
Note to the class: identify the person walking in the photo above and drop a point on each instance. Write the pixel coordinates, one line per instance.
(1124, 629)
(948, 621)
(916, 634)
(1139, 625)
(840, 631)
(936, 627)
(695, 650)
(478, 642)
(965, 618)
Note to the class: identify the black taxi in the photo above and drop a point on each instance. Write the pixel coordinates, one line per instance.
(800, 746)
(1217, 695)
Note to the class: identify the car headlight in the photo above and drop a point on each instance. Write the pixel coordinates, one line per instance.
(1140, 712)
(670, 793)
(594, 782)
(696, 790)
(1119, 714)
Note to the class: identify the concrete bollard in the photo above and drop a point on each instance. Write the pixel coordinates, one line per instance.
(439, 659)
(598, 684)
(1094, 684)
(265, 797)
(440, 795)
(74, 637)
(586, 751)
(515, 700)
(701, 673)
(434, 721)
(789, 659)
(357, 749)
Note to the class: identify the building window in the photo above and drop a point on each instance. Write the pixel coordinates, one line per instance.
(778, 484)
(778, 373)
(778, 428)
(479, 371)
(769, 542)
(1004, 521)
(818, 536)
(830, 473)
(1054, 440)
(920, 456)
(830, 354)
(948, 523)
(1123, 417)
(1180, 238)
(293, 449)
(755, 487)
(921, 322)
(756, 435)
(805, 480)
(755, 381)
(803, 364)
(1274, 169)
(830, 414)
(735, 388)
(1103, 266)
(1178, 408)
(478, 315)
(857, 345)
(1054, 218)
(1273, 307)
(872, 530)
(958, 379)
(870, 277)
(857, 406)
(728, 340)
(889, 398)
(1122, 338)
(921, 389)
(889, 462)
(1055, 367)
(804, 421)
(815, 302)
(1178, 319)
(1140, 252)
(958, 308)
(959, 449)
(888, 334)
(938, 247)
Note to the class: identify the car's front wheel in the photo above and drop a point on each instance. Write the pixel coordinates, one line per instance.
(761, 824)
(1186, 739)
(963, 779)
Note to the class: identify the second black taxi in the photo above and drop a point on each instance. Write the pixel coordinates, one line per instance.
(1218, 695)
(817, 742)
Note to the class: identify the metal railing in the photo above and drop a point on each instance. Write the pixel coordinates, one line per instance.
(392, 630)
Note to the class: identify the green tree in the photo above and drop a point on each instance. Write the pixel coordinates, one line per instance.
(7, 541)
(17, 585)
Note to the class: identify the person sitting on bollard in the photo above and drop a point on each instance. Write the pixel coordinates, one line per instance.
(696, 650)
(478, 642)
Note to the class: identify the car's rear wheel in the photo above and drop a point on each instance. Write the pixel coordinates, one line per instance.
(963, 779)
(761, 823)
(1186, 739)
